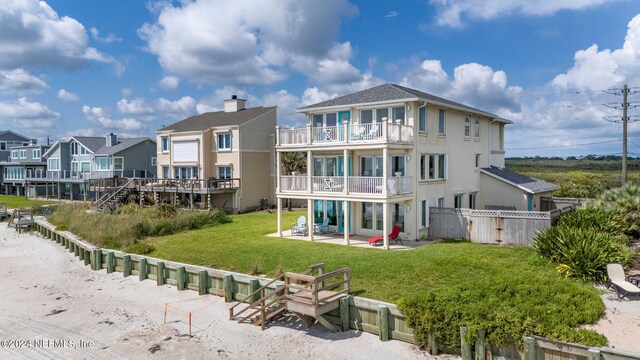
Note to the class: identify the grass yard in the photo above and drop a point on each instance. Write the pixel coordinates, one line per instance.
(384, 275)
(17, 202)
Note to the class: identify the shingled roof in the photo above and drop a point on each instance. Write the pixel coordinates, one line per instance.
(218, 118)
(122, 145)
(526, 183)
(391, 92)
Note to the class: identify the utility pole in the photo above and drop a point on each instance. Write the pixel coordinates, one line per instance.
(625, 105)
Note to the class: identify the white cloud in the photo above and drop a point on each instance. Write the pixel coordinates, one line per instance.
(65, 95)
(33, 34)
(106, 39)
(102, 117)
(21, 82)
(242, 42)
(178, 109)
(472, 84)
(169, 83)
(454, 13)
(136, 106)
(391, 14)
(23, 114)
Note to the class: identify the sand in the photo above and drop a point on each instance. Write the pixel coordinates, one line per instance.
(621, 322)
(57, 308)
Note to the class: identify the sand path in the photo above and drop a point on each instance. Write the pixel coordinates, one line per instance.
(57, 308)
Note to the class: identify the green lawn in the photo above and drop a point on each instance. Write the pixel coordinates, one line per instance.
(16, 202)
(377, 274)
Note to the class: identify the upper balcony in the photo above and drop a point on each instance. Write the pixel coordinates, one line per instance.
(345, 134)
(350, 186)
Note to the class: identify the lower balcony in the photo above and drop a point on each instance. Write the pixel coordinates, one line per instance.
(355, 185)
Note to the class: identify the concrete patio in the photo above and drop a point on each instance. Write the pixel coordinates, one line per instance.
(354, 240)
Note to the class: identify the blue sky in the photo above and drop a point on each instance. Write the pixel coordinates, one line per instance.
(129, 67)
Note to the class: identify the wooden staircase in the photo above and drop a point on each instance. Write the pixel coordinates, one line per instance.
(110, 200)
(306, 295)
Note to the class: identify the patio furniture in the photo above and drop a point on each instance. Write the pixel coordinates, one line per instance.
(299, 227)
(321, 228)
(617, 280)
(394, 236)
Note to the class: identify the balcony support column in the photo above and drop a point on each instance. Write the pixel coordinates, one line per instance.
(279, 207)
(385, 225)
(309, 171)
(309, 133)
(310, 220)
(385, 165)
(345, 171)
(278, 170)
(277, 135)
(345, 131)
(345, 210)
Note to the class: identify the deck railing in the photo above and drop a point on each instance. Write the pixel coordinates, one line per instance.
(357, 185)
(293, 183)
(365, 184)
(83, 175)
(383, 132)
(330, 184)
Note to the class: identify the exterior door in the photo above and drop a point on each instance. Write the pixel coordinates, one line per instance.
(530, 202)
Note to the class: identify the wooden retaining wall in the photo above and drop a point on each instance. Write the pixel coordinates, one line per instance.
(537, 348)
(376, 317)
(488, 226)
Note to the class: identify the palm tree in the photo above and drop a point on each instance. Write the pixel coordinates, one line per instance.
(293, 162)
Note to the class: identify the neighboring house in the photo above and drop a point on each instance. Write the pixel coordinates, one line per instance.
(8, 139)
(383, 156)
(221, 159)
(523, 193)
(23, 162)
(73, 161)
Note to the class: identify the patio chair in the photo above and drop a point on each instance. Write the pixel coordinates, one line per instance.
(617, 280)
(322, 228)
(394, 236)
(300, 226)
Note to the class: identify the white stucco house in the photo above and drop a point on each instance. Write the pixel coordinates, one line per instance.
(383, 156)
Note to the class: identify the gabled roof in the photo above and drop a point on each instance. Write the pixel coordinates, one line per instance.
(392, 92)
(526, 183)
(122, 145)
(14, 133)
(218, 118)
(92, 143)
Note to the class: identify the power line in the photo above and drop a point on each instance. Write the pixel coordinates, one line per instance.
(563, 146)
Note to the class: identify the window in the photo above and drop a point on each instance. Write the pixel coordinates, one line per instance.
(14, 173)
(103, 163)
(372, 218)
(165, 144)
(85, 166)
(477, 129)
(423, 166)
(457, 201)
(153, 161)
(441, 202)
(398, 114)
(382, 114)
(3, 146)
(422, 119)
(477, 161)
(331, 119)
(432, 167)
(224, 141)
(366, 116)
(472, 201)
(74, 148)
(224, 172)
(467, 128)
(36, 154)
(371, 166)
(442, 167)
(74, 166)
(165, 172)
(118, 163)
(53, 164)
(14, 154)
(424, 214)
(441, 122)
(25, 144)
(185, 172)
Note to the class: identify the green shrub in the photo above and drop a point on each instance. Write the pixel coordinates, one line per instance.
(140, 249)
(505, 311)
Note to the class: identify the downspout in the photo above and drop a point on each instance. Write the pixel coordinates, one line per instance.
(239, 192)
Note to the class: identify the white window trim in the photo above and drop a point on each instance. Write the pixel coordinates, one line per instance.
(49, 167)
(426, 128)
(477, 129)
(444, 123)
(230, 166)
(154, 161)
(444, 201)
(103, 157)
(423, 217)
(113, 163)
(225, 149)
(165, 151)
(85, 162)
(33, 154)
(467, 126)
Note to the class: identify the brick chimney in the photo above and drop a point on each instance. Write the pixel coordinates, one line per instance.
(234, 104)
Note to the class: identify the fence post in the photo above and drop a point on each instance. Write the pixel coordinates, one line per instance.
(87, 257)
(160, 277)
(97, 259)
(142, 273)
(480, 349)
(81, 254)
(594, 354)
(433, 344)
(203, 282)
(110, 263)
(227, 281)
(465, 346)
(344, 313)
(529, 348)
(126, 263)
(383, 322)
(72, 246)
(76, 250)
(254, 285)
(180, 276)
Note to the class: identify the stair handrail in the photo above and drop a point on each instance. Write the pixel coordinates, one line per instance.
(100, 199)
(260, 302)
(251, 295)
(115, 193)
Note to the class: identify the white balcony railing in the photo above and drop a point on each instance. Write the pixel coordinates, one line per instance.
(384, 132)
(399, 185)
(83, 175)
(293, 183)
(328, 184)
(365, 184)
